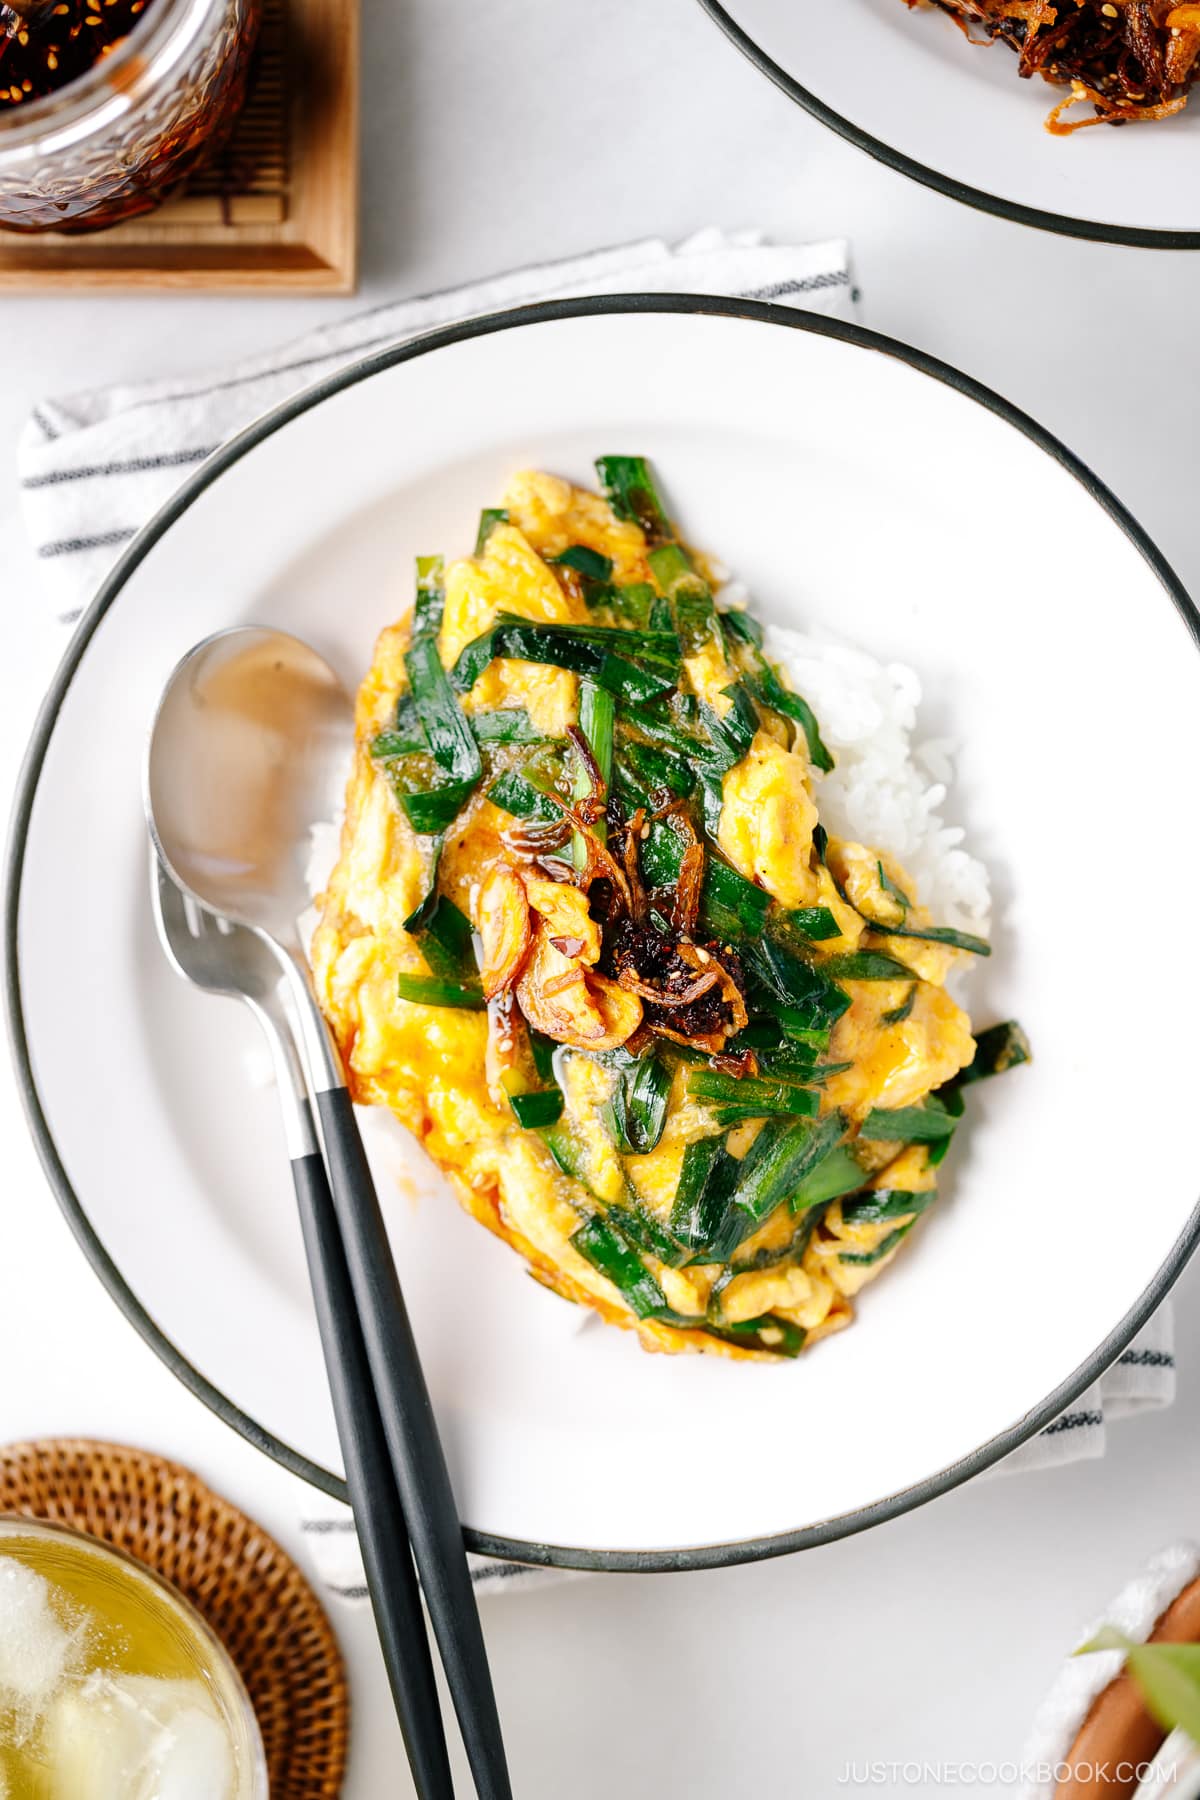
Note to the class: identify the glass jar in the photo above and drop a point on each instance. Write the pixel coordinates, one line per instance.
(110, 1680)
(113, 142)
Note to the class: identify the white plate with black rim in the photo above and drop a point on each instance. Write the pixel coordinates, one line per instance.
(837, 473)
(903, 84)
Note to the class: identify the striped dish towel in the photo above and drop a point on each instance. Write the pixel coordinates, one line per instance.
(95, 466)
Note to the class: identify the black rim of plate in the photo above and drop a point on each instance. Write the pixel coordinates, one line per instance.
(519, 1550)
(1132, 236)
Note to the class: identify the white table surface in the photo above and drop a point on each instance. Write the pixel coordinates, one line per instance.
(513, 132)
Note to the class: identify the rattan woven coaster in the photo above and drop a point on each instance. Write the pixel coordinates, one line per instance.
(251, 1593)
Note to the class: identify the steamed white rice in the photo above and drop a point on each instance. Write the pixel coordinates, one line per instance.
(885, 789)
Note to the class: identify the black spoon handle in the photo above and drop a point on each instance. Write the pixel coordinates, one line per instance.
(378, 1517)
(418, 1461)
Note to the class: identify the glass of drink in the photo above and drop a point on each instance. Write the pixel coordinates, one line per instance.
(105, 105)
(112, 1687)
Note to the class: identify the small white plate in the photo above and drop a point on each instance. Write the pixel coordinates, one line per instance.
(853, 484)
(907, 87)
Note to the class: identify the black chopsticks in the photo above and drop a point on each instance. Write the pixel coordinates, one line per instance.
(395, 1469)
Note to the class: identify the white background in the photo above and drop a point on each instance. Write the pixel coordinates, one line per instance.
(508, 133)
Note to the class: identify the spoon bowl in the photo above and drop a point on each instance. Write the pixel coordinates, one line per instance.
(248, 752)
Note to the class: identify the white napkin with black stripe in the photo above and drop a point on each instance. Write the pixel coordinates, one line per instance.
(94, 467)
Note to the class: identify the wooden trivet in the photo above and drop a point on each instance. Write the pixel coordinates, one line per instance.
(249, 1590)
(278, 209)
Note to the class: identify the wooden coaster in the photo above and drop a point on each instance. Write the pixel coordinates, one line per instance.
(277, 209)
(249, 1590)
(1119, 1732)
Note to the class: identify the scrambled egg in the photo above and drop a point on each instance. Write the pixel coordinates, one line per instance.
(440, 1070)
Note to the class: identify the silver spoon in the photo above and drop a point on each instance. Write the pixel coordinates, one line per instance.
(221, 958)
(249, 751)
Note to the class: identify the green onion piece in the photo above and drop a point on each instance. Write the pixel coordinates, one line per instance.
(815, 922)
(611, 657)
(431, 802)
(793, 1021)
(778, 1058)
(636, 1222)
(875, 1205)
(807, 993)
(732, 735)
(506, 725)
(670, 566)
(696, 620)
(406, 734)
(567, 1151)
(779, 1337)
(451, 740)
(928, 1123)
(899, 1013)
(489, 518)
(543, 1049)
(387, 744)
(447, 943)
(864, 1258)
(692, 1221)
(838, 1173)
(597, 713)
(588, 563)
(999, 1048)
(867, 965)
(779, 1159)
(533, 1111)
(607, 1251)
(742, 626)
(766, 686)
(889, 887)
(752, 1098)
(425, 908)
(432, 796)
(936, 934)
(515, 795)
(629, 489)
(637, 1110)
(431, 597)
(433, 990)
(731, 906)
(659, 768)
(630, 602)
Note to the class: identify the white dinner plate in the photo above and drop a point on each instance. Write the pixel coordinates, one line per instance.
(906, 86)
(854, 484)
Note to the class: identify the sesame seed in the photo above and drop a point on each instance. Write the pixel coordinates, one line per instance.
(22, 38)
(1109, 10)
(52, 61)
